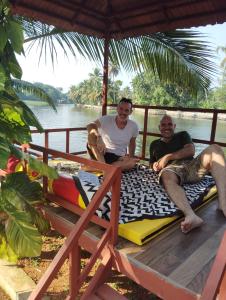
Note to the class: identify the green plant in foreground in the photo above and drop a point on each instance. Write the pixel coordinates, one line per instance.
(21, 225)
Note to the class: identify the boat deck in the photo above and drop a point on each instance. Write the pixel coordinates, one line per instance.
(170, 264)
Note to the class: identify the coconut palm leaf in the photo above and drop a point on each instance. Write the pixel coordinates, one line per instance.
(25, 86)
(180, 56)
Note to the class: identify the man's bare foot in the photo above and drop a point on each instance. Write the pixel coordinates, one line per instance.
(190, 222)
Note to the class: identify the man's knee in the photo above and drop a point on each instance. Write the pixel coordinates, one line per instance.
(169, 178)
(92, 138)
(214, 148)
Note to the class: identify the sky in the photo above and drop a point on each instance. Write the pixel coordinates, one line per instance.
(68, 71)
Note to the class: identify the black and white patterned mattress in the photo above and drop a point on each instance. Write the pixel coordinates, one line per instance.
(142, 197)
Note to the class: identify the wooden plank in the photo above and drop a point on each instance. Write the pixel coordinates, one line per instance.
(166, 252)
(199, 281)
(195, 263)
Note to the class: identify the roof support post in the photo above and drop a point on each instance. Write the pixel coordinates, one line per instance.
(105, 76)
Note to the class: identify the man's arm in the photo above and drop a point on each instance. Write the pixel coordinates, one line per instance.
(187, 151)
(132, 147)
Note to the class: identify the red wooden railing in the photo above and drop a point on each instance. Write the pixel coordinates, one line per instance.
(71, 248)
(147, 109)
(112, 181)
(215, 287)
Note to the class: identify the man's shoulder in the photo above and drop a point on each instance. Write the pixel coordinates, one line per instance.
(106, 118)
(155, 142)
(182, 137)
(132, 122)
(180, 133)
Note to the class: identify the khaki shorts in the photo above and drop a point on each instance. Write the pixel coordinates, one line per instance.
(188, 171)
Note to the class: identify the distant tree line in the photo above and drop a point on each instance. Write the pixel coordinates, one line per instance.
(146, 89)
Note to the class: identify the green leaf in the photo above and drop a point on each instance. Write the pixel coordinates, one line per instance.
(6, 251)
(15, 34)
(22, 236)
(38, 220)
(22, 189)
(41, 167)
(2, 78)
(25, 86)
(15, 69)
(3, 39)
(4, 153)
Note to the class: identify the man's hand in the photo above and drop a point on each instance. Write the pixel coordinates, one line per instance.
(161, 163)
(101, 145)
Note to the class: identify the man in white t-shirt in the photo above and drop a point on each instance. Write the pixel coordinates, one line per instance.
(109, 137)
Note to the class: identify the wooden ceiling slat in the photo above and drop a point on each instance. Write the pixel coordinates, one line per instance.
(123, 18)
(62, 22)
(72, 6)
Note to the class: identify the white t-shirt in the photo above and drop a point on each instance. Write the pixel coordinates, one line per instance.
(117, 140)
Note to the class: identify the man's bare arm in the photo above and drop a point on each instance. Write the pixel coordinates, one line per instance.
(187, 151)
(132, 147)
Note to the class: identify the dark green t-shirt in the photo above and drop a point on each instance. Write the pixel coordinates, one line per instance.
(158, 148)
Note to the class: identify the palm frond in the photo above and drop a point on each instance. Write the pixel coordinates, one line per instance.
(181, 56)
(25, 86)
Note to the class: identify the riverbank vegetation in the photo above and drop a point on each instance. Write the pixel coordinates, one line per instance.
(147, 89)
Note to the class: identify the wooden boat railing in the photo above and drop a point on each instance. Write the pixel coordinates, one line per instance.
(108, 240)
(71, 247)
(145, 133)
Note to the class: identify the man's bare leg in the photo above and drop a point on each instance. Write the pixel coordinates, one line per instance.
(213, 159)
(177, 195)
(92, 144)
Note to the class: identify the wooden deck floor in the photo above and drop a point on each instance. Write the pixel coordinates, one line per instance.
(182, 260)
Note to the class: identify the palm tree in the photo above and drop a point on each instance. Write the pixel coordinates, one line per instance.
(179, 57)
(222, 64)
(113, 72)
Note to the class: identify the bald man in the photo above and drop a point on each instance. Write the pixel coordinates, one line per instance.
(172, 156)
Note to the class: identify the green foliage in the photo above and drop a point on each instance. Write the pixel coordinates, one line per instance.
(18, 196)
(89, 91)
(178, 57)
(6, 251)
(37, 91)
(21, 224)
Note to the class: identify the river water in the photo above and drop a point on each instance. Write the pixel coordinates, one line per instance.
(70, 116)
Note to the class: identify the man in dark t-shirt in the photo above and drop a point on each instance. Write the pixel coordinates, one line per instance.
(172, 156)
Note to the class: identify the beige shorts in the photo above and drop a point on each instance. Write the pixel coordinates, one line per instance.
(188, 171)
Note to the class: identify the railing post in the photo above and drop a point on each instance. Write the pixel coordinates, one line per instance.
(115, 206)
(145, 133)
(67, 141)
(45, 179)
(46, 139)
(213, 128)
(74, 270)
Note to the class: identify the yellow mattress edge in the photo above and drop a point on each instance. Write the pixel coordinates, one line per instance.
(142, 231)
